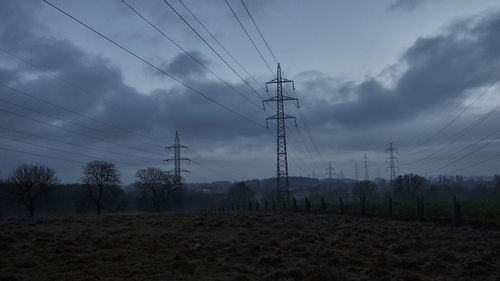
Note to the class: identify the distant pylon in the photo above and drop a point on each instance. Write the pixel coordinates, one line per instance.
(365, 162)
(391, 161)
(282, 186)
(177, 177)
(329, 172)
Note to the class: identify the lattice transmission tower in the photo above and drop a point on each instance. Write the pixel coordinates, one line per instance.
(177, 170)
(391, 161)
(365, 162)
(282, 186)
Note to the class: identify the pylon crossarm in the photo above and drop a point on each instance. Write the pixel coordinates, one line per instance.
(268, 100)
(285, 98)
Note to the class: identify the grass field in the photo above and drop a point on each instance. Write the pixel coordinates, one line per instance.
(251, 246)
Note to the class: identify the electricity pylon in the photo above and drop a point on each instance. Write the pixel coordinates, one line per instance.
(329, 171)
(365, 162)
(282, 186)
(177, 177)
(391, 161)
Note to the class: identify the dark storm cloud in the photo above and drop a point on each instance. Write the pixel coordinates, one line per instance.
(439, 70)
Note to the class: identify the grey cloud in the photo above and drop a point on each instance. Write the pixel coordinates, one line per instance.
(182, 65)
(408, 5)
(441, 69)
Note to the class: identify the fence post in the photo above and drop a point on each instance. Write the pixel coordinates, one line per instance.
(323, 204)
(265, 205)
(308, 205)
(341, 205)
(256, 205)
(294, 201)
(284, 205)
(274, 205)
(390, 207)
(420, 209)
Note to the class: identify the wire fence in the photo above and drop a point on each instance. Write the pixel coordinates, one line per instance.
(478, 214)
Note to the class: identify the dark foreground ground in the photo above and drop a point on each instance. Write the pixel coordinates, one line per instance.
(243, 247)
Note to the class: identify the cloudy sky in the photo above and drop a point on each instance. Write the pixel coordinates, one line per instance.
(418, 73)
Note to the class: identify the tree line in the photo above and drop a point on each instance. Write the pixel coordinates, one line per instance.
(29, 185)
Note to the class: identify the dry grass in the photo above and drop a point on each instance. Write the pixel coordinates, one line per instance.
(243, 247)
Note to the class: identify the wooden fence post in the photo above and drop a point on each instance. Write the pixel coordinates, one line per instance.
(323, 204)
(341, 205)
(308, 205)
(265, 205)
(257, 205)
(294, 201)
(274, 206)
(420, 209)
(249, 205)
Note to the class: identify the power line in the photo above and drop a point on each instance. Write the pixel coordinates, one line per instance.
(78, 145)
(221, 45)
(72, 85)
(459, 135)
(63, 108)
(260, 33)
(476, 163)
(68, 130)
(466, 155)
(41, 155)
(68, 121)
(64, 151)
(447, 125)
(249, 37)
(211, 48)
(188, 53)
(152, 65)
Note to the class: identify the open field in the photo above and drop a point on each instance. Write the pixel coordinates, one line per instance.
(263, 246)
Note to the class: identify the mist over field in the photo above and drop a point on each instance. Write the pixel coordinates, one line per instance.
(249, 140)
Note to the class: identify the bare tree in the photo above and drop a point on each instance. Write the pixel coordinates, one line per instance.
(101, 178)
(155, 185)
(30, 183)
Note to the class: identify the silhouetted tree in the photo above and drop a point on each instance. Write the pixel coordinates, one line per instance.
(30, 183)
(101, 178)
(240, 193)
(408, 186)
(155, 186)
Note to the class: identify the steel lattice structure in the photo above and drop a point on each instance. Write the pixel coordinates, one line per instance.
(329, 171)
(177, 171)
(392, 159)
(282, 185)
